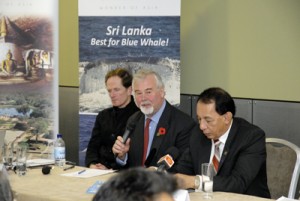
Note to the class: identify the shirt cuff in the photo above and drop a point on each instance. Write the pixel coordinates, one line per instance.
(122, 162)
(198, 183)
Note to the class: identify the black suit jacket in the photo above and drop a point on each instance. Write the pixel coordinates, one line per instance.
(178, 125)
(242, 167)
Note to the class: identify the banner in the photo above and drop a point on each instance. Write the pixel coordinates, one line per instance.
(29, 73)
(132, 34)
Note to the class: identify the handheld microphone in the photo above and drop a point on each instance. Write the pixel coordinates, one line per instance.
(167, 161)
(127, 132)
(150, 157)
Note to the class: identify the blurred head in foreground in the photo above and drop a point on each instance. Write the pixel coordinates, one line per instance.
(138, 184)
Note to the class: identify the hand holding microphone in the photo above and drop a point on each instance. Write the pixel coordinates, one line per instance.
(121, 146)
(120, 149)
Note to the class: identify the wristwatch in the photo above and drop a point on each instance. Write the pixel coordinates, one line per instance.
(197, 182)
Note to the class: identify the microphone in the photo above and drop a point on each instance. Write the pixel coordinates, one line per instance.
(127, 132)
(46, 169)
(167, 161)
(150, 157)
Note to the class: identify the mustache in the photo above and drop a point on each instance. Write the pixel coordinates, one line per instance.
(146, 102)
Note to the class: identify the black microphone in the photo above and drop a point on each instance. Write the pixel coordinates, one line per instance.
(167, 161)
(127, 132)
(150, 157)
(46, 169)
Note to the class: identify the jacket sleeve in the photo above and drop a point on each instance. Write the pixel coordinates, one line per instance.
(185, 164)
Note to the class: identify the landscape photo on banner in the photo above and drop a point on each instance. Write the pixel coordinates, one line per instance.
(29, 74)
(132, 35)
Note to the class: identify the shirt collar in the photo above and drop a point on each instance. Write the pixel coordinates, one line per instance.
(224, 137)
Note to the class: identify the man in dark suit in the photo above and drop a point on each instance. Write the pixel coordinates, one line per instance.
(169, 127)
(241, 147)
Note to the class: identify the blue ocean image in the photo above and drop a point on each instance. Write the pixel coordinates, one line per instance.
(85, 130)
(161, 53)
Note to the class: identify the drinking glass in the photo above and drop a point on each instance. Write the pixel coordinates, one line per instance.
(21, 159)
(207, 171)
(7, 156)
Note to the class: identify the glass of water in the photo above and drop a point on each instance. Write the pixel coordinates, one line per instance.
(207, 171)
(21, 159)
(7, 156)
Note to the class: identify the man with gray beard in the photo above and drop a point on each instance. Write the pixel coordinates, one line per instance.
(158, 127)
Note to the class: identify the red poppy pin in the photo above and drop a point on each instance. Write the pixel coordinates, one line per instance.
(161, 131)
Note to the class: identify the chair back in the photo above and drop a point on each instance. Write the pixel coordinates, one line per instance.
(283, 163)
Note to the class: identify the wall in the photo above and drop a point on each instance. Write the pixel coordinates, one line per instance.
(250, 47)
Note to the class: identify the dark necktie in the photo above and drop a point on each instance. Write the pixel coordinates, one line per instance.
(216, 158)
(146, 139)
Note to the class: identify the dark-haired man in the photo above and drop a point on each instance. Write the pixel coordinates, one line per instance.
(240, 161)
(138, 184)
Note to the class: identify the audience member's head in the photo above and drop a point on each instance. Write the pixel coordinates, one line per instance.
(5, 189)
(138, 184)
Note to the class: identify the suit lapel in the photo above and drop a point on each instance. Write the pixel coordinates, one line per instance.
(231, 136)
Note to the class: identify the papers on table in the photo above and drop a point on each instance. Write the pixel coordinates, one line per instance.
(39, 162)
(181, 195)
(282, 198)
(87, 173)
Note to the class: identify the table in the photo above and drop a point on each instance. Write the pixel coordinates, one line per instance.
(222, 196)
(35, 186)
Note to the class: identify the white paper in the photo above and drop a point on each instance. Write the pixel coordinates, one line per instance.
(181, 195)
(39, 162)
(87, 173)
(282, 198)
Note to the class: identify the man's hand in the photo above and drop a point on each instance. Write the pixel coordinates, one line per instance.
(185, 181)
(98, 166)
(121, 149)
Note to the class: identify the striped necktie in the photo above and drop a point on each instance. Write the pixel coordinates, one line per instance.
(216, 158)
(146, 140)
